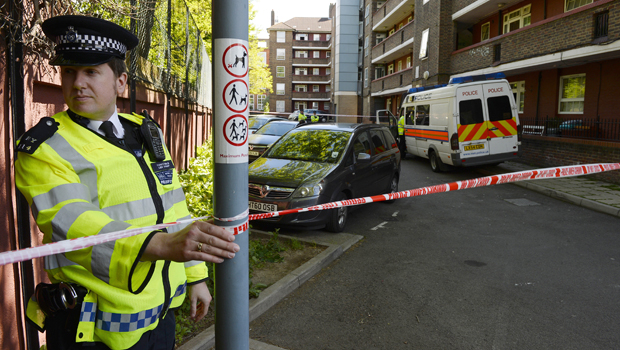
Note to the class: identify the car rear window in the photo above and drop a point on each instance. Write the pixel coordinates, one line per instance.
(256, 123)
(324, 146)
(275, 128)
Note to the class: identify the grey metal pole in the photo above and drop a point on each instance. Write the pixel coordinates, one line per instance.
(230, 86)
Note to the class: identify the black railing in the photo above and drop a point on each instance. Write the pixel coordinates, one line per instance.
(582, 128)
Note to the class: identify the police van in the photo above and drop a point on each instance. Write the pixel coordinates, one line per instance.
(469, 121)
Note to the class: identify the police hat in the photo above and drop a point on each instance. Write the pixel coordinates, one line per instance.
(87, 41)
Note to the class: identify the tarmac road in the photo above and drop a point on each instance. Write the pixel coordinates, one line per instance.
(498, 267)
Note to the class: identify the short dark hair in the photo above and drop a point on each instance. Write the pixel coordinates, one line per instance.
(118, 66)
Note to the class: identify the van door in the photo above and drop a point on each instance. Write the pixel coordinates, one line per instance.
(502, 112)
(472, 123)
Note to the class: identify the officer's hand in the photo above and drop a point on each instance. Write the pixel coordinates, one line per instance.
(198, 241)
(200, 298)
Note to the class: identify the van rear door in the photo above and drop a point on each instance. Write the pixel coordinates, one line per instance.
(472, 125)
(502, 124)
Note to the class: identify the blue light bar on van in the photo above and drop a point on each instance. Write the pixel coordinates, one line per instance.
(425, 88)
(470, 78)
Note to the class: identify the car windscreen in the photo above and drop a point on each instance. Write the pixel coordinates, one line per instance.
(256, 123)
(325, 146)
(275, 129)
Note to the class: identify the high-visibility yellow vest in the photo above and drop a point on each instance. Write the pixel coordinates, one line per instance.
(314, 118)
(301, 117)
(401, 125)
(78, 184)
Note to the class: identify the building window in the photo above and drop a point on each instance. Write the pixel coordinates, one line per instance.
(572, 93)
(328, 88)
(409, 19)
(328, 37)
(390, 69)
(326, 106)
(315, 105)
(301, 88)
(315, 88)
(279, 89)
(328, 71)
(260, 101)
(316, 54)
(517, 19)
(301, 54)
(281, 37)
(301, 71)
(279, 72)
(485, 31)
(366, 42)
(391, 31)
(424, 44)
(251, 102)
(400, 66)
(518, 90)
(408, 61)
(300, 105)
(280, 106)
(315, 71)
(366, 77)
(302, 36)
(317, 37)
(400, 26)
(573, 4)
(328, 54)
(280, 53)
(367, 14)
(601, 25)
(379, 72)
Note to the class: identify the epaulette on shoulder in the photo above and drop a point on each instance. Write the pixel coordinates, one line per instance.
(33, 138)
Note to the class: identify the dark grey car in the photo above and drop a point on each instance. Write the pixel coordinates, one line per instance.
(321, 163)
(267, 134)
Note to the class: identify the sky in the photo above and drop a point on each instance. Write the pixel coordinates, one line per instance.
(287, 9)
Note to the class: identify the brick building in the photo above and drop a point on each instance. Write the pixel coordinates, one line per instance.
(300, 63)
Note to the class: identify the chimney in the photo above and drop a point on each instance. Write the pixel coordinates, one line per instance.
(273, 18)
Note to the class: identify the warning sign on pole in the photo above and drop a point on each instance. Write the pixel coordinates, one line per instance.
(231, 98)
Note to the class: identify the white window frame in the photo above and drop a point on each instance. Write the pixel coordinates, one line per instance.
(522, 15)
(301, 88)
(570, 5)
(488, 31)
(315, 71)
(316, 54)
(280, 106)
(301, 71)
(328, 71)
(251, 102)
(315, 88)
(328, 88)
(301, 54)
(260, 102)
(400, 66)
(367, 14)
(316, 37)
(280, 72)
(409, 62)
(424, 45)
(518, 90)
(366, 77)
(326, 106)
(280, 37)
(576, 99)
(280, 89)
(328, 54)
(328, 37)
(300, 105)
(390, 69)
(315, 105)
(280, 54)
(302, 37)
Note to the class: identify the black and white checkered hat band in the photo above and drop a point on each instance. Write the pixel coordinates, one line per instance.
(90, 43)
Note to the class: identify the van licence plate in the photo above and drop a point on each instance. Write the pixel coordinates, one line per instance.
(474, 147)
(264, 207)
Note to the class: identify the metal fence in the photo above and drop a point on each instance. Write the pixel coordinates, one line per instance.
(582, 128)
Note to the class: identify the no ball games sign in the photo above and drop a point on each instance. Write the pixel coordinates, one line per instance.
(231, 99)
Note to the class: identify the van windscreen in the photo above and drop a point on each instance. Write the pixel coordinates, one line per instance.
(499, 108)
(470, 112)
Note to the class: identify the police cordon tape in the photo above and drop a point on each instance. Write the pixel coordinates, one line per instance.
(85, 242)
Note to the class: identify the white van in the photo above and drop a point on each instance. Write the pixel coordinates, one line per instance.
(470, 121)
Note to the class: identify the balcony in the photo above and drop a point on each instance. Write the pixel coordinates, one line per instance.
(321, 79)
(396, 45)
(391, 13)
(313, 62)
(392, 84)
(317, 45)
(311, 96)
(522, 50)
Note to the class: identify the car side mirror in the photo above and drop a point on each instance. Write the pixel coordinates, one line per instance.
(363, 157)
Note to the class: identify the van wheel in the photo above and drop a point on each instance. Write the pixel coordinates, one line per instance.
(436, 164)
(338, 218)
(393, 188)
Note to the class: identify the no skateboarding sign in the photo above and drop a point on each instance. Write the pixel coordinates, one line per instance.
(231, 99)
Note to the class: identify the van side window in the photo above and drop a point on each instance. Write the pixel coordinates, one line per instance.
(499, 108)
(470, 112)
(377, 141)
(409, 115)
(422, 114)
(361, 145)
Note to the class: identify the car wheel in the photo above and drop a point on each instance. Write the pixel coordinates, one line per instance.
(393, 188)
(338, 218)
(435, 161)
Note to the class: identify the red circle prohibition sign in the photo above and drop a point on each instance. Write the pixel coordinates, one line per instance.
(224, 95)
(245, 138)
(224, 61)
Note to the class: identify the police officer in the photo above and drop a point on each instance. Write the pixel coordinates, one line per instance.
(91, 170)
(401, 134)
(302, 117)
(314, 118)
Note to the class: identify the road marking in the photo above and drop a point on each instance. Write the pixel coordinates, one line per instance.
(379, 226)
(395, 213)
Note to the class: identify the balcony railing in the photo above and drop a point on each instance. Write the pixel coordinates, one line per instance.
(303, 61)
(525, 43)
(392, 81)
(311, 95)
(405, 9)
(311, 78)
(311, 44)
(574, 127)
(393, 41)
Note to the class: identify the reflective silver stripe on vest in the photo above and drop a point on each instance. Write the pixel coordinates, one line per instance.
(178, 227)
(84, 169)
(192, 263)
(143, 207)
(102, 253)
(66, 216)
(57, 260)
(59, 194)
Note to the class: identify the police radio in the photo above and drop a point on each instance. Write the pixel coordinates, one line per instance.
(152, 138)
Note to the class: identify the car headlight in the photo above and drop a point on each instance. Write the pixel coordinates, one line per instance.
(308, 190)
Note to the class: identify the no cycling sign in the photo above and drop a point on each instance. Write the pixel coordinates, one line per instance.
(231, 99)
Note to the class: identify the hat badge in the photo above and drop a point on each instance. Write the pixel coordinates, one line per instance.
(71, 35)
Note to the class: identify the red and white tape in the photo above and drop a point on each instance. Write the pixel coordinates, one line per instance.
(84, 242)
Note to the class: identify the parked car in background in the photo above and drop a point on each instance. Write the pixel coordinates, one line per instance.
(309, 112)
(255, 122)
(266, 135)
(565, 126)
(321, 163)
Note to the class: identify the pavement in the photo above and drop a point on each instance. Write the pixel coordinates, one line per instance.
(580, 190)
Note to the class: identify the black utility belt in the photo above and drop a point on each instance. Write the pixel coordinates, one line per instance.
(58, 297)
